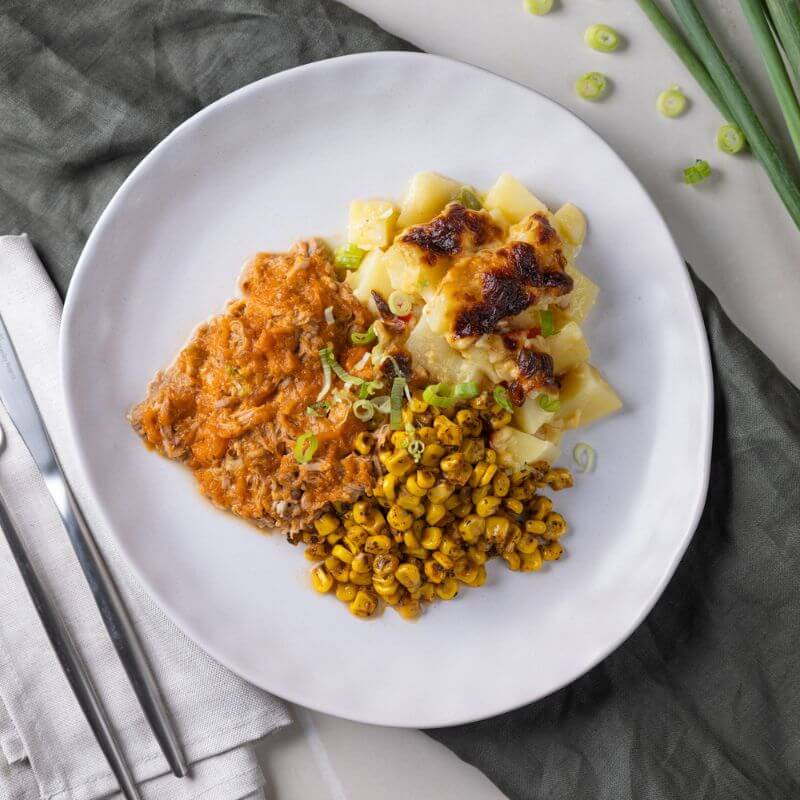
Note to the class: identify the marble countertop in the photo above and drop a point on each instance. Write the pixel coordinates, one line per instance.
(732, 229)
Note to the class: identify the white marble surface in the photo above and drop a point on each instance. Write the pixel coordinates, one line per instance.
(733, 230)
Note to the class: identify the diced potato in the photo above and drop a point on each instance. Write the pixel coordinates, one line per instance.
(584, 390)
(583, 295)
(371, 223)
(372, 274)
(516, 448)
(427, 195)
(431, 351)
(530, 416)
(568, 348)
(571, 224)
(410, 273)
(512, 198)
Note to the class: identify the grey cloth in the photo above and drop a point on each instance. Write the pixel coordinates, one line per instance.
(703, 701)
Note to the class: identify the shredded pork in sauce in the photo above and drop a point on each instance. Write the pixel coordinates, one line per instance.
(234, 402)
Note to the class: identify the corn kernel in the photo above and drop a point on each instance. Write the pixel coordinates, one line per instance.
(326, 524)
(385, 564)
(431, 538)
(451, 548)
(473, 450)
(364, 604)
(434, 571)
(527, 544)
(477, 556)
(410, 540)
(355, 538)
(497, 530)
(455, 468)
(363, 442)
(500, 484)
(443, 559)
(471, 528)
(435, 513)
(418, 552)
(399, 519)
(385, 586)
(346, 592)
(513, 505)
(378, 544)
(316, 552)
(556, 525)
(338, 569)
(417, 405)
(441, 492)
(409, 608)
(513, 560)
(552, 551)
(426, 479)
(432, 455)
(342, 553)
(408, 501)
(321, 580)
(360, 578)
(389, 487)
(499, 418)
(400, 439)
(541, 506)
(447, 589)
(361, 512)
(487, 506)
(532, 562)
(413, 487)
(426, 434)
(480, 578)
(427, 592)
(491, 456)
(361, 563)
(535, 527)
(409, 576)
(400, 464)
(447, 432)
(559, 478)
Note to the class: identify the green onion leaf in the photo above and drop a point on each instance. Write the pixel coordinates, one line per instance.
(348, 256)
(785, 17)
(698, 172)
(326, 354)
(400, 304)
(326, 378)
(416, 447)
(465, 391)
(671, 102)
(319, 409)
(591, 86)
(546, 322)
(305, 447)
(382, 404)
(468, 198)
(363, 410)
(602, 37)
(396, 402)
(363, 338)
(538, 7)
(547, 403)
(500, 395)
(440, 395)
(369, 387)
(730, 139)
(585, 457)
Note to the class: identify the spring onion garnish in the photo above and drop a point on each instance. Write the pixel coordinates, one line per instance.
(416, 448)
(305, 447)
(396, 400)
(468, 198)
(326, 355)
(382, 404)
(730, 139)
(585, 457)
(363, 410)
(500, 395)
(362, 362)
(602, 37)
(671, 102)
(546, 322)
(547, 403)
(591, 86)
(465, 391)
(368, 336)
(367, 388)
(348, 256)
(318, 409)
(329, 318)
(440, 395)
(538, 7)
(698, 172)
(400, 304)
(785, 18)
(326, 378)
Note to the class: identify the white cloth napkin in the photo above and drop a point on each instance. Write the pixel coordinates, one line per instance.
(46, 747)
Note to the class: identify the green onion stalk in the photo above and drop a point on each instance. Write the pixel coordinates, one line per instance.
(785, 17)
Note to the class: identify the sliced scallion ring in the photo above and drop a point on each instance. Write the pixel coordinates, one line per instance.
(329, 318)
(547, 403)
(319, 409)
(698, 172)
(602, 37)
(591, 86)
(305, 447)
(546, 322)
(465, 391)
(440, 395)
(326, 378)
(396, 402)
(500, 395)
(416, 447)
(585, 457)
(730, 139)
(362, 362)
(382, 404)
(671, 102)
(327, 357)
(468, 198)
(348, 256)
(400, 304)
(368, 336)
(368, 388)
(538, 7)
(363, 410)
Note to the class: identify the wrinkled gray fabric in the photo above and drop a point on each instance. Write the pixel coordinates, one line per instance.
(703, 701)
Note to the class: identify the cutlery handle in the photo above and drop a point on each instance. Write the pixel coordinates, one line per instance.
(70, 660)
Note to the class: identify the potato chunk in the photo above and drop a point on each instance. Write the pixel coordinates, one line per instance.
(571, 224)
(372, 223)
(372, 274)
(568, 348)
(584, 390)
(515, 448)
(530, 416)
(427, 195)
(431, 351)
(583, 295)
(512, 199)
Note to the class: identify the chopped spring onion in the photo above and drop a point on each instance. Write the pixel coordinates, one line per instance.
(329, 318)
(585, 457)
(500, 395)
(348, 256)
(326, 354)
(363, 410)
(671, 102)
(395, 365)
(368, 336)
(362, 362)
(319, 409)
(400, 304)
(468, 198)
(785, 18)
(730, 139)
(382, 404)
(368, 388)
(465, 391)
(305, 447)
(538, 7)
(416, 448)
(547, 403)
(326, 378)
(698, 172)
(602, 37)
(546, 322)
(591, 86)
(396, 401)
(440, 395)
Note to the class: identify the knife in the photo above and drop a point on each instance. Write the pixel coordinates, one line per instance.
(16, 396)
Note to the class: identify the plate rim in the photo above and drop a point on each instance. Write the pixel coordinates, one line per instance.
(706, 424)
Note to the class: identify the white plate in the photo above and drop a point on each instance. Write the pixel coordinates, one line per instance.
(279, 160)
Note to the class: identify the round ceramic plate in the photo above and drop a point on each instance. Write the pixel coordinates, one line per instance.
(280, 160)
